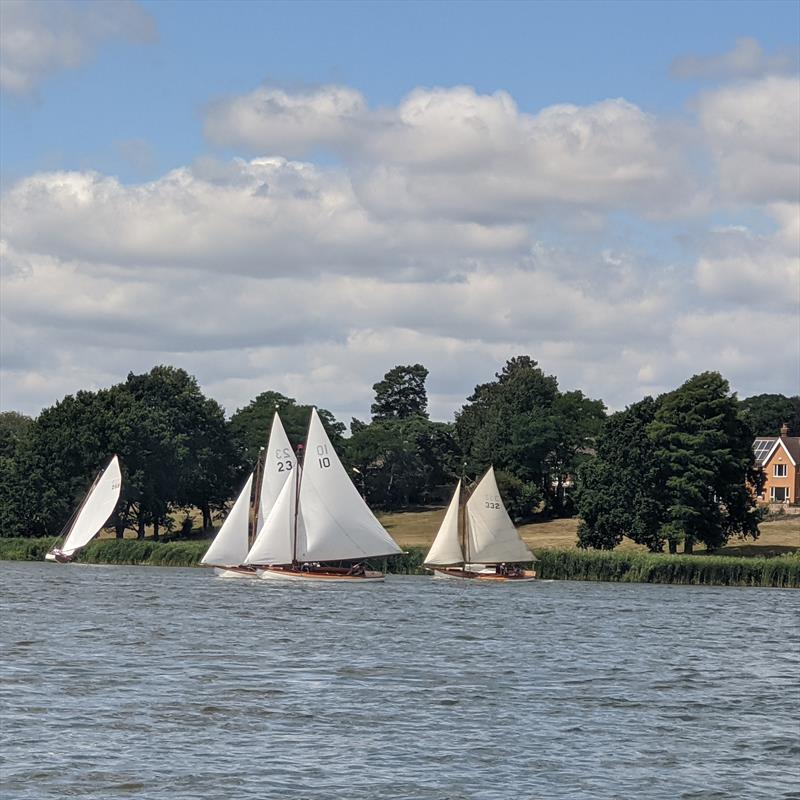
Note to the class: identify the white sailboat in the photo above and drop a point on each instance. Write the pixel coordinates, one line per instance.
(477, 539)
(230, 546)
(319, 517)
(91, 514)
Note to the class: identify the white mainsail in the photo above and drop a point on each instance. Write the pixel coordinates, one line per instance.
(96, 509)
(230, 545)
(280, 463)
(492, 536)
(332, 521)
(338, 523)
(446, 547)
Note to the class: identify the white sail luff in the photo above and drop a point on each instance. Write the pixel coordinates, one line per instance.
(274, 544)
(492, 536)
(280, 463)
(96, 510)
(446, 547)
(230, 544)
(337, 522)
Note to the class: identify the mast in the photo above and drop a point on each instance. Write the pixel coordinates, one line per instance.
(462, 517)
(298, 474)
(252, 520)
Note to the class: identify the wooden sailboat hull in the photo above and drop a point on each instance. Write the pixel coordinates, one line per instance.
(236, 572)
(527, 576)
(319, 575)
(58, 557)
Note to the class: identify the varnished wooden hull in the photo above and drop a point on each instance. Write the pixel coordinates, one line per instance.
(236, 572)
(526, 576)
(319, 575)
(58, 557)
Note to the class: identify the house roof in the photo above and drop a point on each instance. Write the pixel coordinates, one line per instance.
(765, 446)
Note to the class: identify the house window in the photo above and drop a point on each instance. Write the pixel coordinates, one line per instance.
(780, 470)
(779, 494)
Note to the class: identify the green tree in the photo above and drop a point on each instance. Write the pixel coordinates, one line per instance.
(401, 394)
(251, 425)
(527, 428)
(621, 488)
(706, 452)
(402, 461)
(184, 454)
(766, 413)
(16, 498)
(68, 444)
(174, 447)
(14, 428)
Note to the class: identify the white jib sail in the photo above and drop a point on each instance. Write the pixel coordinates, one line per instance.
(446, 547)
(492, 535)
(338, 523)
(230, 544)
(96, 510)
(279, 464)
(274, 543)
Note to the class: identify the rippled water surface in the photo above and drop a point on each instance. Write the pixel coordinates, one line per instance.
(169, 683)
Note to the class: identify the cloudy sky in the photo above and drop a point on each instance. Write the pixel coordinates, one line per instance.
(298, 196)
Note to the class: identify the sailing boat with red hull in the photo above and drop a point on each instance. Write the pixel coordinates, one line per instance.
(229, 549)
(319, 517)
(477, 539)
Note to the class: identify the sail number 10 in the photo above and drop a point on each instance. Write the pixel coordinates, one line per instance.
(322, 456)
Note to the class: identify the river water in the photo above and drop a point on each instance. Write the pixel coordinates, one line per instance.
(135, 682)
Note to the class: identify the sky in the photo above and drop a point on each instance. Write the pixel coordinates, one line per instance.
(299, 196)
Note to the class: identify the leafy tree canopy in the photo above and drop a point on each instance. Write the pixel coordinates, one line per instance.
(766, 413)
(401, 394)
(524, 425)
(14, 428)
(621, 489)
(705, 450)
(403, 461)
(251, 424)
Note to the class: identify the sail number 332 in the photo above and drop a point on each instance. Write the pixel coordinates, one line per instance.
(492, 501)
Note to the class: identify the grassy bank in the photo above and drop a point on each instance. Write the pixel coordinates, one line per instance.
(625, 566)
(417, 529)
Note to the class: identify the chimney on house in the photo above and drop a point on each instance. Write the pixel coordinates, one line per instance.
(784, 429)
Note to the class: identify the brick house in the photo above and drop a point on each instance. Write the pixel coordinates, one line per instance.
(779, 458)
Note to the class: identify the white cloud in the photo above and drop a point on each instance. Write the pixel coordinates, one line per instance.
(753, 132)
(270, 119)
(463, 155)
(757, 270)
(456, 231)
(747, 59)
(40, 37)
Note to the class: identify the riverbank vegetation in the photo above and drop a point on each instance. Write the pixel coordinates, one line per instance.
(578, 565)
(667, 471)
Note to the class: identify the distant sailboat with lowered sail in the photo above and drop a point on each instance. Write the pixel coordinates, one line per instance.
(477, 539)
(229, 549)
(319, 517)
(90, 516)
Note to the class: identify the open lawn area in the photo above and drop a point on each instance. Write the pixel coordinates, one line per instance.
(417, 529)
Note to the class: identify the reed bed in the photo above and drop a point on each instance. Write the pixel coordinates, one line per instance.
(780, 571)
(577, 565)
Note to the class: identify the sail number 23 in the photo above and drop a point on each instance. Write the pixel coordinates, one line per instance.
(322, 456)
(283, 458)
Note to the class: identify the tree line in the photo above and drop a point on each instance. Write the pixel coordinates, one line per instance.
(665, 470)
